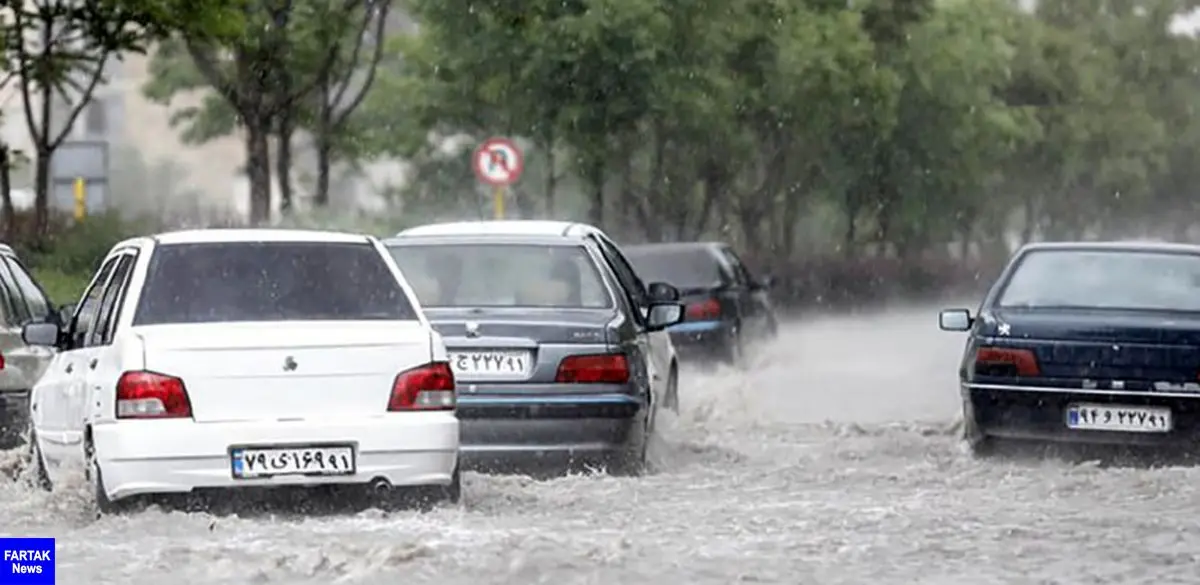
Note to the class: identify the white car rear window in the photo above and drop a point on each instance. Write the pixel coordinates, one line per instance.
(270, 281)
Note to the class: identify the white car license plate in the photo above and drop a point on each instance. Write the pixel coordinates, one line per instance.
(491, 363)
(1115, 417)
(257, 462)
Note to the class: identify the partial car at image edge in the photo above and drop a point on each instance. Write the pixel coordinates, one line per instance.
(22, 301)
(1085, 343)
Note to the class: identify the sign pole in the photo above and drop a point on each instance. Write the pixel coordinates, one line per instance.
(80, 199)
(498, 202)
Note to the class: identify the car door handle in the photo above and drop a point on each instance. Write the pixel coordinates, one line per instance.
(92, 364)
(70, 368)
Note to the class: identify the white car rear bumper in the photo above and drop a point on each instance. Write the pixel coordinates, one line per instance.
(177, 456)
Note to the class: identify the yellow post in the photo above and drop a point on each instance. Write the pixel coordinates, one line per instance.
(498, 202)
(80, 199)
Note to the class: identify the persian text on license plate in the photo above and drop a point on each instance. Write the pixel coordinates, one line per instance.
(252, 462)
(1115, 417)
(502, 363)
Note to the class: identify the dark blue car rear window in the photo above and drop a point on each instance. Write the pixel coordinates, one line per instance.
(1104, 279)
(682, 268)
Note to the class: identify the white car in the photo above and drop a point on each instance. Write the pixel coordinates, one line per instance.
(246, 358)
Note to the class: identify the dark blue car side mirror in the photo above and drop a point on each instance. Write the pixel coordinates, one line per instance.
(955, 320)
(661, 292)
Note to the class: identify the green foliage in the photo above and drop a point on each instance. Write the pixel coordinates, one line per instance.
(78, 248)
(924, 123)
(172, 72)
(157, 19)
(889, 129)
(63, 288)
(64, 262)
(379, 225)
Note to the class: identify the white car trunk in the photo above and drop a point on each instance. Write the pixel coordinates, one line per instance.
(286, 370)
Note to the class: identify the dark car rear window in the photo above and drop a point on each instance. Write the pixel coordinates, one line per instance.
(503, 275)
(683, 268)
(270, 281)
(1104, 279)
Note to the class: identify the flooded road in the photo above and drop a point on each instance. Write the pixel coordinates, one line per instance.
(830, 460)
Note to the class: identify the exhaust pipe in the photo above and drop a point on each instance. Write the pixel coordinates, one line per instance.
(381, 486)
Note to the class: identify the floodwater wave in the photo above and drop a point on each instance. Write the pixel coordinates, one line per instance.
(831, 458)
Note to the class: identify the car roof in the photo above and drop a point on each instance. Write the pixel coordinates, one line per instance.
(668, 247)
(489, 239)
(1114, 246)
(502, 227)
(224, 235)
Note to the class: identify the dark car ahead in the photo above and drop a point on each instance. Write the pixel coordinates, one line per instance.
(726, 306)
(1087, 342)
(557, 348)
(21, 365)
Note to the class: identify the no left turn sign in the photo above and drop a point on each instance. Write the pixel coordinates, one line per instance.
(498, 162)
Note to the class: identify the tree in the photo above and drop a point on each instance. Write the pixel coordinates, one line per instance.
(895, 128)
(306, 70)
(8, 156)
(59, 49)
(343, 85)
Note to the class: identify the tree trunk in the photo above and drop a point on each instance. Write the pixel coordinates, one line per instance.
(633, 210)
(324, 146)
(851, 207)
(595, 179)
(551, 179)
(324, 165)
(41, 197)
(283, 163)
(258, 170)
(525, 204)
(6, 203)
(1029, 227)
(42, 137)
(750, 220)
(713, 180)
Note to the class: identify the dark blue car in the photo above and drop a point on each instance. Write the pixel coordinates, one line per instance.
(727, 306)
(1085, 342)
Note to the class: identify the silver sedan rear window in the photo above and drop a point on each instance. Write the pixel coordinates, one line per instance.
(502, 275)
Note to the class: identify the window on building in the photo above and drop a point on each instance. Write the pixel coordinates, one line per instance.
(96, 117)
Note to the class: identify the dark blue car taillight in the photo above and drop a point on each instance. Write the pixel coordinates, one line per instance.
(1006, 362)
(706, 310)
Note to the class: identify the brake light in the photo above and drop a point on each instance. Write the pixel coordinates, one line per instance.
(1005, 361)
(427, 387)
(152, 395)
(607, 368)
(704, 310)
